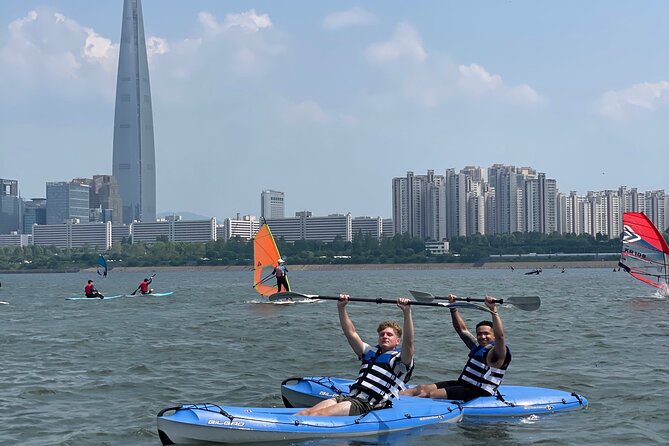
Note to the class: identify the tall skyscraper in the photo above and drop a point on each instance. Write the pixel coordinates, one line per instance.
(134, 160)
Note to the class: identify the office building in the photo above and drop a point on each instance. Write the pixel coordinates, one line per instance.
(10, 206)
(67, 202)
(34, 213)
(272, 204)
(244, 228)
(134, 165)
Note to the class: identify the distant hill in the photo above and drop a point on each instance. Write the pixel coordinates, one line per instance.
(184, 215)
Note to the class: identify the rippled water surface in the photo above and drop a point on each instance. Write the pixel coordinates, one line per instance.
(98, 372)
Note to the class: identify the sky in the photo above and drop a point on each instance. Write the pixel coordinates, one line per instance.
(327, 101)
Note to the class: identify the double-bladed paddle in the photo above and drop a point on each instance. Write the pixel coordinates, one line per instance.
(375, 300)
(526, 303)
(150, 279)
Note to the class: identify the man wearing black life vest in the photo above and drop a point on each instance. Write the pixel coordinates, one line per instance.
(385, 369)
(489, 357)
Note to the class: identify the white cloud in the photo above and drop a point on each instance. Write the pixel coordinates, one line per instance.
(353, 17)
(157, 46)
(648, 96)
(477, 80)
(248, 21)
(308, 111)
(405, 44)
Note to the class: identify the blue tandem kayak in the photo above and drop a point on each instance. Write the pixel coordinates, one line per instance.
(211, 423)
(514, 401)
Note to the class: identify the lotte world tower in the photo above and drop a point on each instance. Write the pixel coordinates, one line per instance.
(134, 158)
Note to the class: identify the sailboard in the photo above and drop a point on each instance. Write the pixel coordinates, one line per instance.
(265, 258)
(645, 253)
(102, 266)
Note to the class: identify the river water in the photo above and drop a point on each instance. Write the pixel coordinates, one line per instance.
(98, 372)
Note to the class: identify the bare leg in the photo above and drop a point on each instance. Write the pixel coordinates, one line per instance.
(421, 391)
(327, 407)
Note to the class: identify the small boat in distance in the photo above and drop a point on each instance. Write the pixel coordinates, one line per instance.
(645, 253)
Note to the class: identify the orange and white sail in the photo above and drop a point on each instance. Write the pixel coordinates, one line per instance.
(265, 258)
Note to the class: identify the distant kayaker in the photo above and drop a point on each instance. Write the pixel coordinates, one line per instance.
(144, 286)
(90, 291)
(280, 273)
(385, 369)
(489, 357)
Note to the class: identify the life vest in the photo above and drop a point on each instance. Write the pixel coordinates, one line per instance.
(479, 374)
(279, 271)
(144, 287)
(88, 289)
(381, 376)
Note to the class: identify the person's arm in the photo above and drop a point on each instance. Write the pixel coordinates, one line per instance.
(407, 340)
(347, 326)
(498, 354)
(460, 326)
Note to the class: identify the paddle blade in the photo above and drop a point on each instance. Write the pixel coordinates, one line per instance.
(526, 303)
(421, 296)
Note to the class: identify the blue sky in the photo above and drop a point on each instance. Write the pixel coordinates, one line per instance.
(328, 101)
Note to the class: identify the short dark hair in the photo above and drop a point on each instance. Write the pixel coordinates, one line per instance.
(488, 323)
(90, 281)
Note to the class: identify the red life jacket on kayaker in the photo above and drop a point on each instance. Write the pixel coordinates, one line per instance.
(88, 289)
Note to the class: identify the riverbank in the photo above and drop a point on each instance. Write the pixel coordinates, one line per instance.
(386, 266)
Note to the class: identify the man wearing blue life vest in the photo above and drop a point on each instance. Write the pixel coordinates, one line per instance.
(489, 357)
(385, 369)
(280, 273)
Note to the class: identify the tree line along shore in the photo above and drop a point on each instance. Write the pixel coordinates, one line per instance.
(522, 250)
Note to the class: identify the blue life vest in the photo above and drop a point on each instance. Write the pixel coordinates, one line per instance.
(479, 374)
(381, 377)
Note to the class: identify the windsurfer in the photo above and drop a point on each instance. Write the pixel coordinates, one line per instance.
(385, 368)
(489, 357)
(91, 291)
(280, 273)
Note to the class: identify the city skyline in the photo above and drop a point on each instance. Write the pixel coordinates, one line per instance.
(331, 100)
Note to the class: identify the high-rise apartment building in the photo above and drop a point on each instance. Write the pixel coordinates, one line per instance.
(134, 164)
(272, 204)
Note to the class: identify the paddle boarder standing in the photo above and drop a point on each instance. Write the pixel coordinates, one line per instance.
(385, 368)
(280, 273)
(90, 291)
(489, 357)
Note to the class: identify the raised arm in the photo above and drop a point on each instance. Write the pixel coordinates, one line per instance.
(347, 326)
(407, 331)
(498, 353)
(460, 326)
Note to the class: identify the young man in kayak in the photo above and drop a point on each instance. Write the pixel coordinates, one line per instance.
(489, 357)
(385, 368)
(90, 291)
(280, 273)
(144, 286)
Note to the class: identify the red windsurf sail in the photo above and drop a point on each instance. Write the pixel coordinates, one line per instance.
(645, 253)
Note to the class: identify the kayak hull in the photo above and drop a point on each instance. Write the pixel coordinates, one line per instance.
(207, 423)
(95, 298)
(517, 401)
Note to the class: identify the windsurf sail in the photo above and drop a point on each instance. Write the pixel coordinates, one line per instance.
(265, 258)
(645, 253)
(102, 266)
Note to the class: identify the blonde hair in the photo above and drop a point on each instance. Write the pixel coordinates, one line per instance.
(390, 324)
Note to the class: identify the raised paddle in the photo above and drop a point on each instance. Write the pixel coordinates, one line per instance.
(150, 279)
(376, 300)
(526, 303)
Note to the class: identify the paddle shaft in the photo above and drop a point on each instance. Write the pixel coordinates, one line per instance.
(290, 295)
